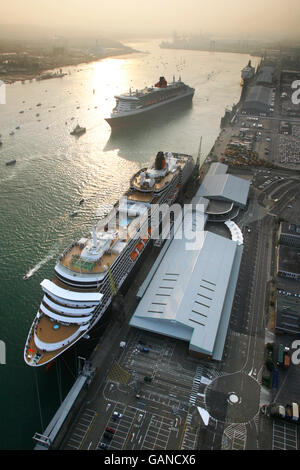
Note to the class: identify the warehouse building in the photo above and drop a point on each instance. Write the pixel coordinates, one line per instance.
(265, 76)
(226, 193)
(288, 263)
(258, 100)
(188, 295)
(289, 234)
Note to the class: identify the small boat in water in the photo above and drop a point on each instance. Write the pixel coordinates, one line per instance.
(10, 162)
(72, 214)
(78, 130)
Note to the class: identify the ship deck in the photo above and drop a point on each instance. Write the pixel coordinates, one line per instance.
(136, 182)
(139, 197)
(72, 261)
(61, 284)
(45, 332)
(159, 185)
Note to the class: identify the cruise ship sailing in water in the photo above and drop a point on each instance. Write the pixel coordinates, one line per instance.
(80, 291)
(133, 106)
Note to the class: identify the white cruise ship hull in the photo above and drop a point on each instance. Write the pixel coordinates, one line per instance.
(126, 119)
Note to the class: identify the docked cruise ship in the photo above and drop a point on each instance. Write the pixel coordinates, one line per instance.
(248, 72)
(92, 270)
(135, 105)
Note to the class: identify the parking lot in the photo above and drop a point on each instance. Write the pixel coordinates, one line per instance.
(81, 429)
(122, 427)
(289, 147)
(158, 433)
(284, 436)
(138, 429)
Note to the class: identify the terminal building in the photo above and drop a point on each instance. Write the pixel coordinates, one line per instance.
(265, 75)
(226, 193)
(288, 289)
(289, 234)
(189, 292)
(258, 100)
(288, 263)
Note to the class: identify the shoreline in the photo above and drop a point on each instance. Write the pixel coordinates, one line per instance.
(12, 77)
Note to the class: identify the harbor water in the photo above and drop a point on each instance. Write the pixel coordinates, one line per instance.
(54, 171)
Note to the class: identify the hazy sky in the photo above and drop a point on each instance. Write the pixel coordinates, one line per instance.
(280, 17)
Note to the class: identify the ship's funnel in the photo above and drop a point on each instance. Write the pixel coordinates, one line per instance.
(160, 161)
(162, 83)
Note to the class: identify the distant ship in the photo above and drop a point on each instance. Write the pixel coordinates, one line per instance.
(248, 73)
(47, 76)
(78, 130)
(11, 162)
(92, 270)
(131, 107)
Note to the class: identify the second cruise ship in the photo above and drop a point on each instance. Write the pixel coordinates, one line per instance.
(86, 272)
(133, 106)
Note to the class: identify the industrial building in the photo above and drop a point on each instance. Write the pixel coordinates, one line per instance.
(288, 308)
(288, 289)
(265, 75)
(226, 193)
(289, 234)
(188, 294)
(288, 263)
(258, 100)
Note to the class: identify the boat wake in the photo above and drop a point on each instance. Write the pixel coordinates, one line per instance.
(32, 271)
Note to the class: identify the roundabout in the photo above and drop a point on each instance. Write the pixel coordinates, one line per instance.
(233, 398)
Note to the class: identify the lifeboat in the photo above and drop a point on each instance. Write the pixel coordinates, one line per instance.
(134, 255)
(140, 246)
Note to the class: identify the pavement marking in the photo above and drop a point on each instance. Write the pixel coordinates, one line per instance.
(236, 436)
(88, 416)
(284, 436)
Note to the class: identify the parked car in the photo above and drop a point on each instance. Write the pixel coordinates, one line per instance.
(103, 446)
(145, 350)
(112, 431)
(108, 436)
(117, 415)
(147, 379)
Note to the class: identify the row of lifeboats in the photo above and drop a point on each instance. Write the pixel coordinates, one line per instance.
(140, 246)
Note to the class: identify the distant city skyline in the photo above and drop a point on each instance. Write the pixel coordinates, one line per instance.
(247, 19)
